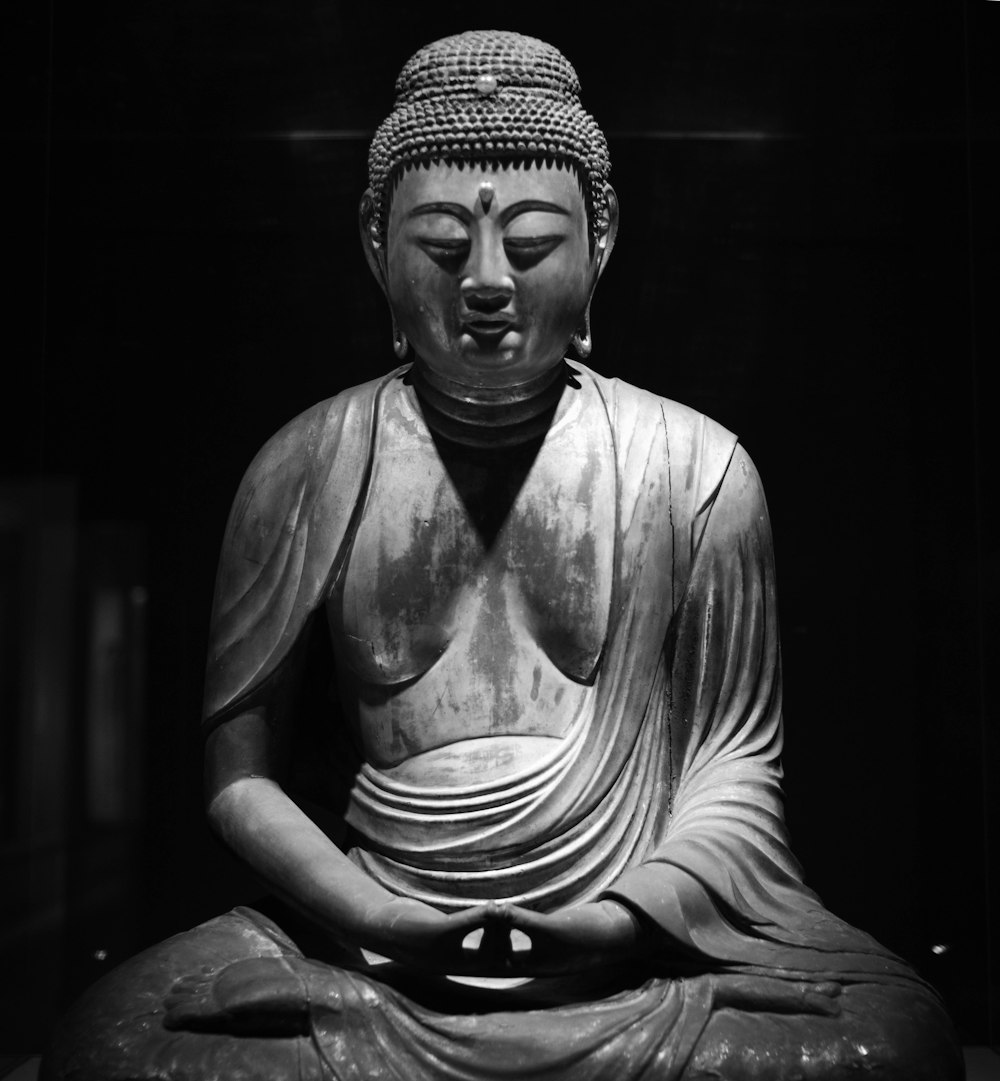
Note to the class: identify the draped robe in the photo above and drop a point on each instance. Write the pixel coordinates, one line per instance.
(664, 795)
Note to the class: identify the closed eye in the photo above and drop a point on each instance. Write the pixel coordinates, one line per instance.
(525, 252)
(446, 252)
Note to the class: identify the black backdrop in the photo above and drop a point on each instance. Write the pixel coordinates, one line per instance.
(808, 253)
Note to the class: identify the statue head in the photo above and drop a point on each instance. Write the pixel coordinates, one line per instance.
(489, 217)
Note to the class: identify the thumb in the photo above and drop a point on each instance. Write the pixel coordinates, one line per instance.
(467, 919)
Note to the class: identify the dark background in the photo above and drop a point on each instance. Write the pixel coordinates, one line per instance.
(809, 253)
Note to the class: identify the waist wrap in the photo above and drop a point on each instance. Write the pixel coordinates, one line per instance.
(543, 836)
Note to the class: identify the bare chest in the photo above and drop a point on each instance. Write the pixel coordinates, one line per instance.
(477, 591)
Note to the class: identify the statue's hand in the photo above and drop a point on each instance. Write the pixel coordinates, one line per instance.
(417, 934)
(572, 939)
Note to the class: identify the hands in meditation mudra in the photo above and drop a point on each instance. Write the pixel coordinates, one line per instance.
(534, 830)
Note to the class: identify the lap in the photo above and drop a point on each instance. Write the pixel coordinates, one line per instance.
(884, 1031)
(116, 1031)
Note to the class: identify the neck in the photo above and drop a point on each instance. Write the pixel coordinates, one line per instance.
(488, 416)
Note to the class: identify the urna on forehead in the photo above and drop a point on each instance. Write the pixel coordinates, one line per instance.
(488, 96)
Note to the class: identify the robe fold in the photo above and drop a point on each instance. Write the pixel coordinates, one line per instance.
(664, 795)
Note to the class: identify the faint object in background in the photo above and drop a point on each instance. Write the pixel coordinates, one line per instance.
(115, 676)
(105, 858)
(37, 595)
(11, 677)
(72, 741)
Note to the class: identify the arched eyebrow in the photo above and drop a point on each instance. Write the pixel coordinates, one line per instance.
(525, 205)
(456, 210)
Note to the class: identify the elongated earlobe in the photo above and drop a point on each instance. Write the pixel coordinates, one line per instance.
(604, 242)
(582, 341)
(400, 346)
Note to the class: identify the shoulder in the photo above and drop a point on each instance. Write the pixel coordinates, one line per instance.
(284, 533)
(699, 449)
(329, 442)
(307, 440)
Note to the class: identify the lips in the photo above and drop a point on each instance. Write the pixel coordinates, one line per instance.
(488, 326)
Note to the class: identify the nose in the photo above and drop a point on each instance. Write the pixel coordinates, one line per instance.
(487, 285)
(486, 300)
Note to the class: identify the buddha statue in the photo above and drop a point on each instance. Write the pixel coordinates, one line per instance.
(493, 702)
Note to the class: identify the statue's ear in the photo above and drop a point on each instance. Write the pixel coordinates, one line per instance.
(607, 231)
(371, 240)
